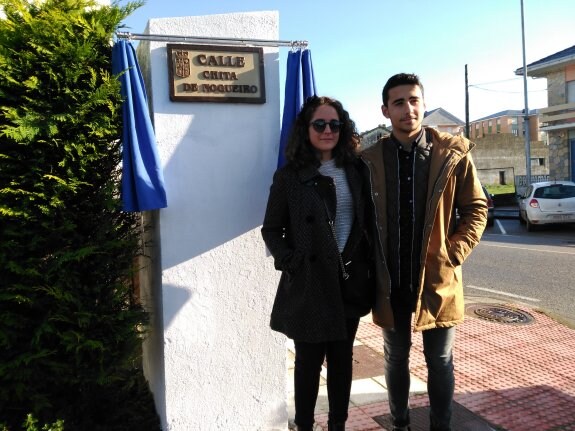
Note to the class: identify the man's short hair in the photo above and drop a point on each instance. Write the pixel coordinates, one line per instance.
(397, 80)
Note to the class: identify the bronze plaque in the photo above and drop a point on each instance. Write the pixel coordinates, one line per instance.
(205, 73)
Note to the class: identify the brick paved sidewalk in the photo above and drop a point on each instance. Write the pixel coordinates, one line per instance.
(514, 377)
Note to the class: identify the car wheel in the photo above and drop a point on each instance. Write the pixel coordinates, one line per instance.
(530, 226)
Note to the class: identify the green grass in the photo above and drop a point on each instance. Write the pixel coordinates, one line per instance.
(498, 189)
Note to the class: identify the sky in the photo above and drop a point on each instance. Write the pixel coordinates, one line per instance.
(357, 45)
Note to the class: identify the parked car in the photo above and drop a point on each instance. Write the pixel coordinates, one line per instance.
(548, 202)
(490, 207)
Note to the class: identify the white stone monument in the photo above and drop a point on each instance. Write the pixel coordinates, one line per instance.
(211, 359)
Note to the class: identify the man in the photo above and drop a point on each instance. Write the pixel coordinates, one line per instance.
(419, 177)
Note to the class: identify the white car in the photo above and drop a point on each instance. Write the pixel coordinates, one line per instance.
(548, 202)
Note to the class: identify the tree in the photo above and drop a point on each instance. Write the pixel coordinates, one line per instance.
(71, 326)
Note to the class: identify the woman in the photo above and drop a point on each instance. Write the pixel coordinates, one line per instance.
(315, 229)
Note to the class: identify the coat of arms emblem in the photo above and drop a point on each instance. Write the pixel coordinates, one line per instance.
(182, 64)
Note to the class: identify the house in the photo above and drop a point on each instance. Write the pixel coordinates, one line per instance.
(443, 121)
(370, 137)
(499, 156)
(506, 122)
(439, 119)
(558, 118)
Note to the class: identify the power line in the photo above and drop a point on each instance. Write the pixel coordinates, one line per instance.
(496, 82)
(504, 91)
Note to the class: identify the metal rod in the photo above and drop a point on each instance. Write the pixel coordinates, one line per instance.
(526, 117)
(466, 104)
(211, 40)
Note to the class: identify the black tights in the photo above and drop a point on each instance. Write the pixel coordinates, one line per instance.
(308, 360)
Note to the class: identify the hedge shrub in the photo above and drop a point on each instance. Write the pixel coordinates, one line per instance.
(71, 326)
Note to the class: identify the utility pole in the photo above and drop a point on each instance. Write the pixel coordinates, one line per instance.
(466, 105)
(526, 116)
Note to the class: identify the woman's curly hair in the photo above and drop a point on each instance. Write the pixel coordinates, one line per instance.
(299, 151)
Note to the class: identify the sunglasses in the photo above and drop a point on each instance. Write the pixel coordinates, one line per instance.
(320, 125)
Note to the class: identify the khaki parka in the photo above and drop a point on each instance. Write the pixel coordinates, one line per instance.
(453, 185)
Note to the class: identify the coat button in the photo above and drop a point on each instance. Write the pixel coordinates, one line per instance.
(376, 194)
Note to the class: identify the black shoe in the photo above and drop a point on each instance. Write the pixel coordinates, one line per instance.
(405, 428)
(336, 427)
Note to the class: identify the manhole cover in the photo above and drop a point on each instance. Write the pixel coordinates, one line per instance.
(500, 314)
(367, 363)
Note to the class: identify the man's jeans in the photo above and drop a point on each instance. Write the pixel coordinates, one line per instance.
(437, 347)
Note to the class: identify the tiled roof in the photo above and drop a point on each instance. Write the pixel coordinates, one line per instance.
(506, 113)
(553, 57)
(564, 55)
(440, 117)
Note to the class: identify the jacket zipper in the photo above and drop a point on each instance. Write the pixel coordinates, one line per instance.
(377, 222)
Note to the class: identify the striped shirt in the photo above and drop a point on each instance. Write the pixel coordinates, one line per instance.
(344, 201)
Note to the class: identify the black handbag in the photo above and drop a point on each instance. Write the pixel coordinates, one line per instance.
(357, 272)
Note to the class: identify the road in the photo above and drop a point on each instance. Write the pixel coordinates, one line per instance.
(532, 268)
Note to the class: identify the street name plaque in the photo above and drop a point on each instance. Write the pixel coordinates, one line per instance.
(225, 74)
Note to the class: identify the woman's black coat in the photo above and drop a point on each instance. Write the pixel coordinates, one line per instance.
(308, 305)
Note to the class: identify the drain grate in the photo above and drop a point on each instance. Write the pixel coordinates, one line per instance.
(500, 314)
(462, 420)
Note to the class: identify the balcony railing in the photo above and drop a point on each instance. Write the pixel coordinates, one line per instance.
(557, 117)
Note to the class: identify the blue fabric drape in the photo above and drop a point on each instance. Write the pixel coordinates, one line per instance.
(308, 79)
(300, 84)
(142, 177)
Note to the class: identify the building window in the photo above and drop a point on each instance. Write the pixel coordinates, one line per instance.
(570, 91)
(537, 161)
(523, 126)
(490, 127)
(499, 125)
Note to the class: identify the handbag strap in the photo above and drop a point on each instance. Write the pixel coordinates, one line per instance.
(331, 223)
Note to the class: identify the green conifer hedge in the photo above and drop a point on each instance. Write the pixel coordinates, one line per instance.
(70, 325)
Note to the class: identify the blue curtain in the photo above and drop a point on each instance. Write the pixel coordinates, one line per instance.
(142, 177)
(308, 79)
(300, 84)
